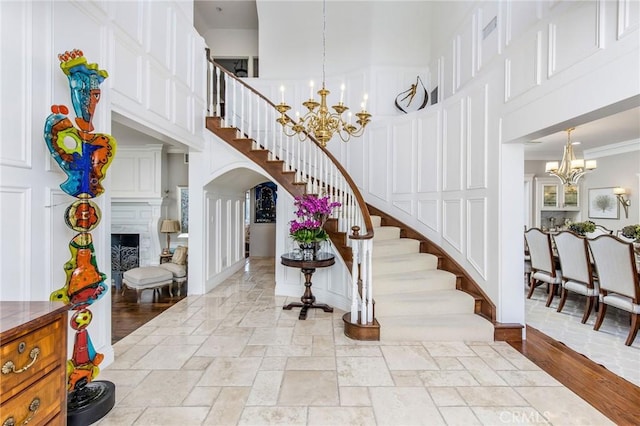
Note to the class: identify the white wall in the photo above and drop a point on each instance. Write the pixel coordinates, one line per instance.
(453, 170)
(155, 78)
(232, 43)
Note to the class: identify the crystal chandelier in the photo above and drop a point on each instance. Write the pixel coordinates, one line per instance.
(321, 122)
(570, 169)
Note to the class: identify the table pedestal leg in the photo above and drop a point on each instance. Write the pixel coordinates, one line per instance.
(308, 299)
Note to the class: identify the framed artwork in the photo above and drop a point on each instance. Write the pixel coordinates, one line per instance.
(183, 210)
(266, 194)
(603, 204)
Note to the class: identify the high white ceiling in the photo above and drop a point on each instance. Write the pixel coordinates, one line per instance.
(604, 128)
(225, 15)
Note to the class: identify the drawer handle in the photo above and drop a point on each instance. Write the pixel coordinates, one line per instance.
(33, 409)
(10, 367)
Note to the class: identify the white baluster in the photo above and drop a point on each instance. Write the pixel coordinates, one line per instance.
(364, 270)
(354, 281)
(218, 109)
(369, 252)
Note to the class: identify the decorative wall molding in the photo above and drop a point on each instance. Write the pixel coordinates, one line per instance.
(477, 232)
(613, 149)
(477, 137)
(403, 147)
(428, 214)
(429, 152)
(452, 146)
(628, 17)
(452, 222)
(15, 227)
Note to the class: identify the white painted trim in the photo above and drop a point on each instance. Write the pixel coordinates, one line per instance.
(613, 149)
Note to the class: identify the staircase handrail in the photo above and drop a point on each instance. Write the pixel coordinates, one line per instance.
(316, 165)
(361, 203)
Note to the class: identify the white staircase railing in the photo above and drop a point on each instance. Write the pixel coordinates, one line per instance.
(254, 117)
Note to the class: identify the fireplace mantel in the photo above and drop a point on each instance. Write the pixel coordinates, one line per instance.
(139, 216)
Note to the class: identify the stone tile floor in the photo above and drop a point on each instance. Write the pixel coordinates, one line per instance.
(234, 357)
(605, 346)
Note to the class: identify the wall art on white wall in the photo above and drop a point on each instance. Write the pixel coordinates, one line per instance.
(603, 204)
(183, 210)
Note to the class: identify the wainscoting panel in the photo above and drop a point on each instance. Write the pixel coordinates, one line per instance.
(403, 144)
(127, 73)
(523, 68)
(128, 17)
(477, 234)
(452, 146)
(466, 52)
(15, 133)
(429, 152)
(477, 144)
(15, 253)
(141, 163)
(428, 214)
(182, 106)
(490, 32)
(405, 206)
(628, 17)
(158, 90)
(573, 36)
(519, 18)
(182, 48)
(379, 162)
(452, 222)
(57, 252)
(158, 36)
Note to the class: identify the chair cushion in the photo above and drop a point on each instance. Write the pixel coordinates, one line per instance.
(580, 288)
(180, 255)
(621, 302)
(547, 278)
(147, 275)
(178, 271)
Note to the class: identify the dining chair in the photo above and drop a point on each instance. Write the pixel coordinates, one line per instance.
(543, 268)
(577, 272)
(618, 279)
(600, 230)
(623, 238)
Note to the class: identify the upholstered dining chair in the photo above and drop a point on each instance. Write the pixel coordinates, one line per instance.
(577, 272)
(600, 230)
(618, 280)
(543, 268)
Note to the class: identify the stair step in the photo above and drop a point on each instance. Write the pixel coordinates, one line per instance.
(400, 246)
(413, 282)
(432, 302)
(385, 233)
(376, 221)
(405, 263)
(435, 328)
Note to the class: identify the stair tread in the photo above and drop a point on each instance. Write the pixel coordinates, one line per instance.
(438, 327)
(439, 295)
(440, 302)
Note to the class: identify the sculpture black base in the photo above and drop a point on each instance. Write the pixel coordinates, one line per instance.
(91, 403)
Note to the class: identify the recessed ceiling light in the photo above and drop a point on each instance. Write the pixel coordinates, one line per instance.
(576, 143)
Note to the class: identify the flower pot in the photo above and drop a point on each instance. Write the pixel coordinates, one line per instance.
(309, 250)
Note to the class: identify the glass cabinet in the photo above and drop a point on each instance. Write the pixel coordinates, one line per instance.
(555, 203)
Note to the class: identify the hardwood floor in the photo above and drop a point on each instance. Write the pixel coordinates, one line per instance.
(127, 315)
(613, 396)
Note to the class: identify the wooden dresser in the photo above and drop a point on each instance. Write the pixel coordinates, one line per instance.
(33, 357)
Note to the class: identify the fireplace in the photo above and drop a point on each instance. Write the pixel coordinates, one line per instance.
(125, 255)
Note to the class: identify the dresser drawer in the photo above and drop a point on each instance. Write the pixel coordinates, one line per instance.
(36, 353)
(39, 404)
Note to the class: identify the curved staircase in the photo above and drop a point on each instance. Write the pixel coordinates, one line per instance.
(416, 301)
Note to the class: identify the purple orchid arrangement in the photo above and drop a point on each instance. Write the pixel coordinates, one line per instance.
(311, 215)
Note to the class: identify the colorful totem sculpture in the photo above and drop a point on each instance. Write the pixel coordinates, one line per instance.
(84, 157)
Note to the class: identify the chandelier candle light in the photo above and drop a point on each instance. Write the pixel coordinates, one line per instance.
(570, 169)
(320, 122)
